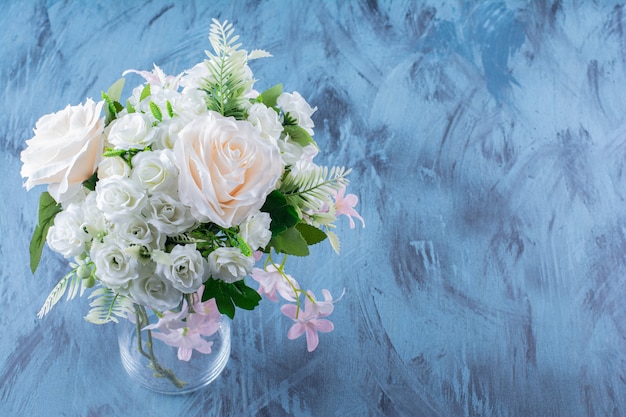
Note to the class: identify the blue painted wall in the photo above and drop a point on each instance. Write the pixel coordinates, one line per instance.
(488, 141)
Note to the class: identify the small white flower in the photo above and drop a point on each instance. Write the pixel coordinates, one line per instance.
(67, 236)
(134, 230)
(298, 108)
(133, 130)
(118, 197)
(292, 153)
(155, 171)
(186, 268)
(111, 166)
(255, 230)
(116, 266)
(155, 291)
(168, 215)
(94, 222)
(266, 121)
(229, 264)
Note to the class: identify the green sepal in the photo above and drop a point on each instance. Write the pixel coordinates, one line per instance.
(129, 107)
(145, 92)
(282, 213)
(111, 99)
(48, 209)
(269, 96)
(227, 296)
(290, 242)
(115, 91)
(299, 135)
(90, 183)
(311, 234)
(156, 111)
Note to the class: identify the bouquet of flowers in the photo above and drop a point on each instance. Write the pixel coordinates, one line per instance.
(169, 200)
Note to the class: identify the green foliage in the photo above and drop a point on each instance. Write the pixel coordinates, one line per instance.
(290, 242)
(269, 96)
(170, 110)
(282, 213)
(145, 92)
(309, 190)
(112, 100)
(230, 295)
(299, 135)
(107, 306)
(48, 209)
(90, 183)
(311, 234)
(156, 111)
(228, 79)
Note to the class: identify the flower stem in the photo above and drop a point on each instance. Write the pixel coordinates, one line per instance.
(141, 320)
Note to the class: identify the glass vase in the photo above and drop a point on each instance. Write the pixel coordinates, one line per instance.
(155, 365)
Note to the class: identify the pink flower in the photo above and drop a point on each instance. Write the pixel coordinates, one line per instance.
(345, 205)
(309, 321)
(186, 341)
(272, 280)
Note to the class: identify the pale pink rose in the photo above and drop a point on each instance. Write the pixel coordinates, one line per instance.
(226, 168)
(65, 150)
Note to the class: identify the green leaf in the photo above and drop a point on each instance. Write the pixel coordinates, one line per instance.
(48, 209)
(129, 107)
(269, 96)
(299, 135)
(290, 242)
(156, 111)
(90, 183)
(111, 99)
(311, 234)
(243, 296)
(282, 213)
(115, 91)
(145, 92)
(170, 110)
(227, 296)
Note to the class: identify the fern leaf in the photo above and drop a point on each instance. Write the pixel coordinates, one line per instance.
(107, 306)
(312, 189)
(334, 241)
(229, 78)
(70, 281)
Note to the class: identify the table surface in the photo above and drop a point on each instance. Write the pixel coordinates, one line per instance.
(488, 147)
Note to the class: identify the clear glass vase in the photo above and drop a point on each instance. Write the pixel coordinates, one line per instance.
(155, 365)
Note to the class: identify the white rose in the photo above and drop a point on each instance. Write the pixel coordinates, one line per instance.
(168, 215)
(155, 171)
(255, 230)
(292, 152)
(298, 108)
(118, 197)
(134, 230)
(266, 121)
(111, 166)
(229, 264)
(226, 169)
(186, 272)
(67, 236)
(133, 130)
(94, 222)
(116, 265)
(65, 150)
(155, 291)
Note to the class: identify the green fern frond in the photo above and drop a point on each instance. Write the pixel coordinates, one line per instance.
(311, 189)
(229, 78)
(107, 306)
(69, 281)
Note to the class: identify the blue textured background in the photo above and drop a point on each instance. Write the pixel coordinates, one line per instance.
(488, 141)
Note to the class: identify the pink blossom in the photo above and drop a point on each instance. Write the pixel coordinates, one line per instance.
(309, 321)
(345, 205)
(186, 341)
(272, 280)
